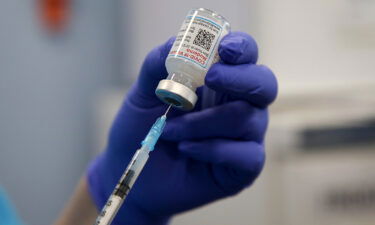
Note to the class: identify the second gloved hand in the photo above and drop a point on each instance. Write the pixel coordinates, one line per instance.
(203, 155)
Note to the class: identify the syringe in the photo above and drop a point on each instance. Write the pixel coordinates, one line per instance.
(131, 173)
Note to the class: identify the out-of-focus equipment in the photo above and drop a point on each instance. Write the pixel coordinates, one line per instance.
(54, 14)
(322, 151)
(8, 214)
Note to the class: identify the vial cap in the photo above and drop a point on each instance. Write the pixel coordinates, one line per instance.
(176, 94)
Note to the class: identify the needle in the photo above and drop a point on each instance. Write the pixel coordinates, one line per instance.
(166, 112)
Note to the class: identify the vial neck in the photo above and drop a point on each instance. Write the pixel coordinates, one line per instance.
(183, 79)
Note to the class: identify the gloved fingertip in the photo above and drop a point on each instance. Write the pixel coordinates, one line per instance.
(238, 48)
(269, 91)
(214, 78)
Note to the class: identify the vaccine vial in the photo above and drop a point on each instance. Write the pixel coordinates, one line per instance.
(192, 54)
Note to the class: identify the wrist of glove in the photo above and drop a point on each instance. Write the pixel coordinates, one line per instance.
(203, 155)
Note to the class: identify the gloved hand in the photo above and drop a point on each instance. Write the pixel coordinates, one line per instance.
(203, 155)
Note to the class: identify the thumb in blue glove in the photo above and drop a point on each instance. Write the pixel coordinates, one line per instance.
(203, 155)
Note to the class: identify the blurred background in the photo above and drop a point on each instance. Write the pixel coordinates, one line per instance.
(65, 68)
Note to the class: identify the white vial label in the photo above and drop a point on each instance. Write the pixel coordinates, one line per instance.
(197, 40)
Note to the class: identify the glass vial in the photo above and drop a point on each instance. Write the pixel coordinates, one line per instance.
(192, 54)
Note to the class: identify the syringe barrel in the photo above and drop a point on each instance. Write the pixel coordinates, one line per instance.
(132, 172)
(123, 187)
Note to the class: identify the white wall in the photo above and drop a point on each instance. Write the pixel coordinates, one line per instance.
(318, 43)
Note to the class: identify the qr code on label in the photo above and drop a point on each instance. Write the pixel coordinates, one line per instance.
(204, 39)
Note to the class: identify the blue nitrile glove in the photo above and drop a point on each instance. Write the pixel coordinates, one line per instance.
(203, 155)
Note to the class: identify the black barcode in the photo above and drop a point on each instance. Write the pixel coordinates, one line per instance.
(204, 39)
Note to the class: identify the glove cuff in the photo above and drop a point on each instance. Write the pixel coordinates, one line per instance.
(129, 214)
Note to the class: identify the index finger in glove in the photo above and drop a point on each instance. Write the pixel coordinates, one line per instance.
(254, 83)
(236, 120)
(246, 156)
